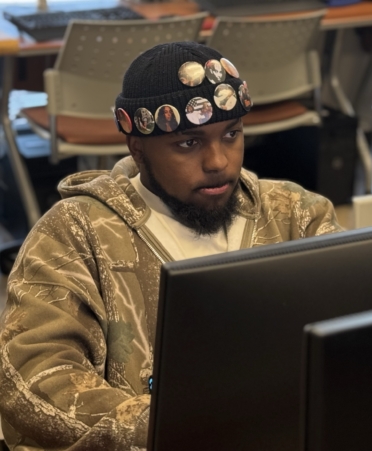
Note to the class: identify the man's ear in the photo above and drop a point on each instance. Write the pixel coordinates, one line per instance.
(135, 146)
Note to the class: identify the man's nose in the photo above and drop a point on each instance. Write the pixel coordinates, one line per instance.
(214, 157)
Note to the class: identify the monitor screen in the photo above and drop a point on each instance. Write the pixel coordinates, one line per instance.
(337, 389)
(228, 351)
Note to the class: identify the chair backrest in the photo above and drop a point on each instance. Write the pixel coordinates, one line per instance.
(89, 69)
(274, 54)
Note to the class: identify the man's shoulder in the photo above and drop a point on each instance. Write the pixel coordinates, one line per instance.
(283, 188)
(290, 191)
(262, 189)
(284, 196)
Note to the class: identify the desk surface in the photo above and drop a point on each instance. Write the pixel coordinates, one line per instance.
(357, 15)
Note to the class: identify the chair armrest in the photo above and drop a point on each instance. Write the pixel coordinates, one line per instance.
(314, 68)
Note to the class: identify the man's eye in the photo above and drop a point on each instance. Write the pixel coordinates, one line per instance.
(187, 144)
(232, 134)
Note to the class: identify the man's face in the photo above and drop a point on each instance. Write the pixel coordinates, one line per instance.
(197, 168)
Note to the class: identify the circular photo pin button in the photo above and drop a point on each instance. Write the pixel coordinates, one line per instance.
(124, 120)
(225, 97)
(245, 98)
(191, 73)
(199, 110)
(229, 67)
(144, 121)
(214, 71)
(167, 118)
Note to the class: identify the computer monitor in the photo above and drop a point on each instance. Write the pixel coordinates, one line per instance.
(228, 350)
(337, 384)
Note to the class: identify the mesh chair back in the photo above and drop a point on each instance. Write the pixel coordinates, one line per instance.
(274, 54)
(89, 70)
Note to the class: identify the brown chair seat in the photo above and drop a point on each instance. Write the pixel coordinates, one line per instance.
(75, 130)
(265, 114)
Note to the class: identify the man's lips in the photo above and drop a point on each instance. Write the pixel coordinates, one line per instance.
(214, 190)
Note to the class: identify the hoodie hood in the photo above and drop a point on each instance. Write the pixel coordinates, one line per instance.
(114, 189)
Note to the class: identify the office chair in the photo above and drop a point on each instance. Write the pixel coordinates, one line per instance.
(276, 56)
(87, 77)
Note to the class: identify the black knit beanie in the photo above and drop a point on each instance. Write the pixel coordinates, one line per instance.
(187, 83)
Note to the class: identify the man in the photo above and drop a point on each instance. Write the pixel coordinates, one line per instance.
(78, 331)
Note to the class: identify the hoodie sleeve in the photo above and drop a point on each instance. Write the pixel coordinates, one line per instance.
(314, 214)
(291, 212)
(54, 392)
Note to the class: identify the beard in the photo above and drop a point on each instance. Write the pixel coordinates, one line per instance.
(203, 221)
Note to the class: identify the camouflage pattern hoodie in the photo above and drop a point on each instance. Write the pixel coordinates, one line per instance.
(78, 330)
